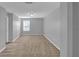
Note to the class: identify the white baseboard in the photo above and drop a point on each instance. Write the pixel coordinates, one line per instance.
(15, 38)
(2, 49)
(51, 41)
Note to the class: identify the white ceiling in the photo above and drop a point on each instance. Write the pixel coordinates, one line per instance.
(36, 9)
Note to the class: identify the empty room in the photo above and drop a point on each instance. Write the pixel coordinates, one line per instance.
(26, 31)
(39, 29)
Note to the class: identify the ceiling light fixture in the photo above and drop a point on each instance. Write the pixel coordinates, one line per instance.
(31, 15)
(24, 17)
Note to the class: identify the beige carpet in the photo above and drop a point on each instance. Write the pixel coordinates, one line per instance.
(30, 46)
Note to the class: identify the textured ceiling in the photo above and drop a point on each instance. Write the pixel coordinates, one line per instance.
(35, 9)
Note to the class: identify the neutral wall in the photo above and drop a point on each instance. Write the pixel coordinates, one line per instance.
(10, 27)
(13, 27)
(63, 19)
(52, 26)
(3, 17)
(58, 28)
(36, 26)
(66, 14)
(16, 26)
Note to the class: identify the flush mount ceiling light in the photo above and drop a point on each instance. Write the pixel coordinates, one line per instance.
(31, 15)
(24, 17)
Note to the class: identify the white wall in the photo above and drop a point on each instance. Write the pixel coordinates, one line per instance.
(3, 17)
(63, 18)
(36, 26)
(52, 26)
(13, 27)
(58, 28)
(10, 27)
(16, 26)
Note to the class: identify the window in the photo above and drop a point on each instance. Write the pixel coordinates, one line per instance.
(26, 25)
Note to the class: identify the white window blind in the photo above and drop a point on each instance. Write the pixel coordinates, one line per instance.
(26, 25)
